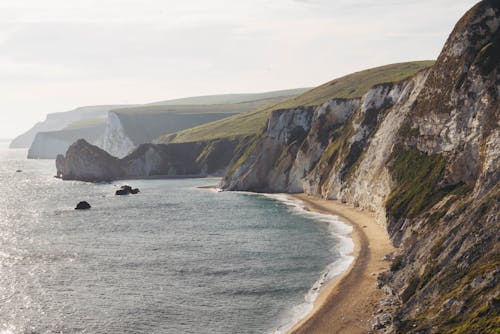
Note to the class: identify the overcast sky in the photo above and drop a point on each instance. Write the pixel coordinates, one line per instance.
(56, 55)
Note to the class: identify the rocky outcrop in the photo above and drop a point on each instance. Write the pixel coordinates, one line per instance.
(86, 162)
(424, 154)
(127, 190)
(83, 206)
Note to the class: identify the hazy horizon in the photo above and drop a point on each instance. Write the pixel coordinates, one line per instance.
(59, 56)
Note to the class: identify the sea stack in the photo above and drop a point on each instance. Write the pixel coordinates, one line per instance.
(83, 206)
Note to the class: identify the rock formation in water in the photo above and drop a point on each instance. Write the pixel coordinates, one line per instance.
(424, 154)
(83, 205)
(86, 162)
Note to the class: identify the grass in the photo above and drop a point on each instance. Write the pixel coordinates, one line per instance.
(356, 84)
(245, 124)
(417, 175)
(231, 108)
(349, 86)
(85, 123)
(484, 321)
(233, 98)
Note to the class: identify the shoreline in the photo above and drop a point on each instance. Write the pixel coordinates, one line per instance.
(347, 303)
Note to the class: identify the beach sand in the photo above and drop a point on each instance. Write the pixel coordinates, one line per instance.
(347, 304)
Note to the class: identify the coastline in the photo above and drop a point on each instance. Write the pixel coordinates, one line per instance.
(348, 302)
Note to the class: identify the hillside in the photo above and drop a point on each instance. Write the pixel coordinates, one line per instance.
(47, 145)
(129, 127)
(349, 86)
(137, 124)
(232, 98)
(58, 121)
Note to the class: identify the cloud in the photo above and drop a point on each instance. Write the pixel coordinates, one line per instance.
(113, 51)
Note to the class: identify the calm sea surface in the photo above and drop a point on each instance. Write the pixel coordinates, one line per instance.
(173, 259)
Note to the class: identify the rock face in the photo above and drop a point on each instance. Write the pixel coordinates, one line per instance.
(114, 140)
(318, 150)
(424, 155)
(86, 162)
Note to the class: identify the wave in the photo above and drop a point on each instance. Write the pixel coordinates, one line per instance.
(345, 246)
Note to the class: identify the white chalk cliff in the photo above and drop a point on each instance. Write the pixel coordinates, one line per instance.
(114, 139)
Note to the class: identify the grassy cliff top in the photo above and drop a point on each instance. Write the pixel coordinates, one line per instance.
(232, 98)
(85, 123)
(230, 108)
(227, 103)
(349, 86)
(356, 84)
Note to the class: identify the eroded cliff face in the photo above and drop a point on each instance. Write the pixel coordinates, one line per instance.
(338, 150)
(86, 162)
(114, 140)
(423, 154)
(443, 209)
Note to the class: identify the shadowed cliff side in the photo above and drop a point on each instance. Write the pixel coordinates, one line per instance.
(86, 162)
(424, 154)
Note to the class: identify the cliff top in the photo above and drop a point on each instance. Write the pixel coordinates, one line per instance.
(349, 86)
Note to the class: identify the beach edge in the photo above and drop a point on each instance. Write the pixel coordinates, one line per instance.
(348, 302)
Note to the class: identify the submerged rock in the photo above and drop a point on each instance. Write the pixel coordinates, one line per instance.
(83, 206)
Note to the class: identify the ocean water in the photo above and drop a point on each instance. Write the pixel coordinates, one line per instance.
(172, 259)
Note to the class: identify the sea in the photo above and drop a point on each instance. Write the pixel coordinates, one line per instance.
(173, 259)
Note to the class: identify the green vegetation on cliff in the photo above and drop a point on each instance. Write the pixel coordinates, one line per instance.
(349, 86)
(233, 98)
(86, 123)
(356, 84)
(417, 175)
(147, 122)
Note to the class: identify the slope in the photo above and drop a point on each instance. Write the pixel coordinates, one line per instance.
(349, 86)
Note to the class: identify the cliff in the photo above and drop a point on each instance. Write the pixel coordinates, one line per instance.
(424, 154)
(86, 162)
(131, 125)
(421, 150)
(47, 145)
(128, 128)
(58, 121)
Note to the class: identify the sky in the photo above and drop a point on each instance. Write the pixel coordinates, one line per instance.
(56, 55)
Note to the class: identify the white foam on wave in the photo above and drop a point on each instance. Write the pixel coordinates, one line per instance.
(345, 246)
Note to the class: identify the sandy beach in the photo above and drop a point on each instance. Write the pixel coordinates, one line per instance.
(347, 304)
